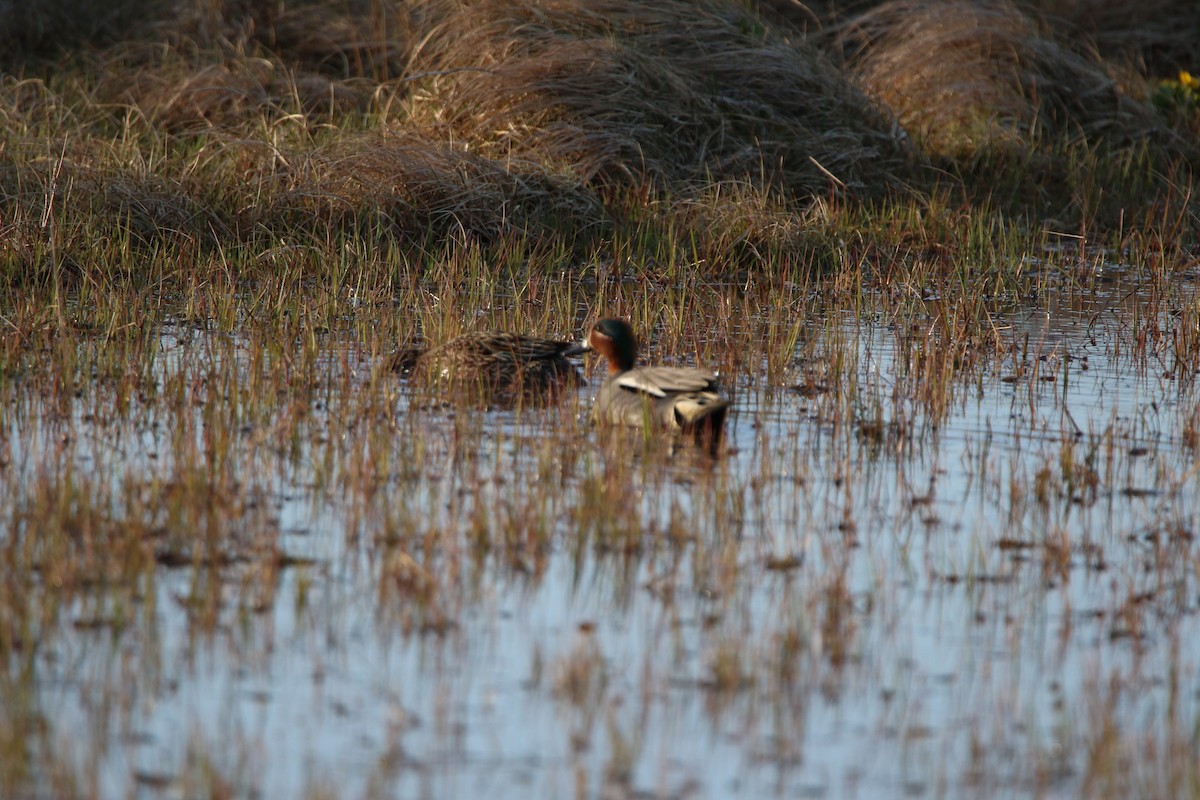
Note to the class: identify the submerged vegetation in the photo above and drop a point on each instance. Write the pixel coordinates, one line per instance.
(942, 253)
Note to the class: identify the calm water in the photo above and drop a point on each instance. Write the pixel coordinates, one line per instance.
(509, 605)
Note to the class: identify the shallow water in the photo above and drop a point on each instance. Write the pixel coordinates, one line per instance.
(990, 594)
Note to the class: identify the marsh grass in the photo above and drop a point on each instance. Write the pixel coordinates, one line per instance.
(248, 189)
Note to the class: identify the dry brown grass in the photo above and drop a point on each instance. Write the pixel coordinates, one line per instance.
(420, 189)
(228, 64)
(471, 120)
(342, 40)
(1158, 36)
(195, 96)
(966, 76)
(339, 38)
(697, 127)
(187, 98)
(651, 95)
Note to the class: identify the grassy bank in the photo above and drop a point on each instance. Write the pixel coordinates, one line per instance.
(223, 156)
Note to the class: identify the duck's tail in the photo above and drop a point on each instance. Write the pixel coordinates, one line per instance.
(701, 414)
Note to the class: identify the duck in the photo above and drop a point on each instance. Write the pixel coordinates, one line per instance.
(685, 400)
(494, 367)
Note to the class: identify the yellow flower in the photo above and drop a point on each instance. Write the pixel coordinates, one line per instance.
(1187, 79)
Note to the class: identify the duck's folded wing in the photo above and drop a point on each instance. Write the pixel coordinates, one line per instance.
(530, 348)
(662, 381)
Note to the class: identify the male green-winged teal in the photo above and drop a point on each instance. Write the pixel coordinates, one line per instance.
(494, 367)
(684, 399)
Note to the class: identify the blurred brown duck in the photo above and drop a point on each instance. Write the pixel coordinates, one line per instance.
(684, 399)
(494, 367)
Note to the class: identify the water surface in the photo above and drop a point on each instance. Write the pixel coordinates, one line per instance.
(878, 589)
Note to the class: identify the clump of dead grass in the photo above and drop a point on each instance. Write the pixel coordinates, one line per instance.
(423, 190)
(228, 63)
(183, 97)
(197, 94)
(632, 94)
(965, 77)
(341, 39)
(1155, 36)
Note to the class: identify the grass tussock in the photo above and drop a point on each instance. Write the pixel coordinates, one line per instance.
(223, 65)
(966, 76)
(630, 94)
(1159, 36)
(1023, 113)
(422, 190)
